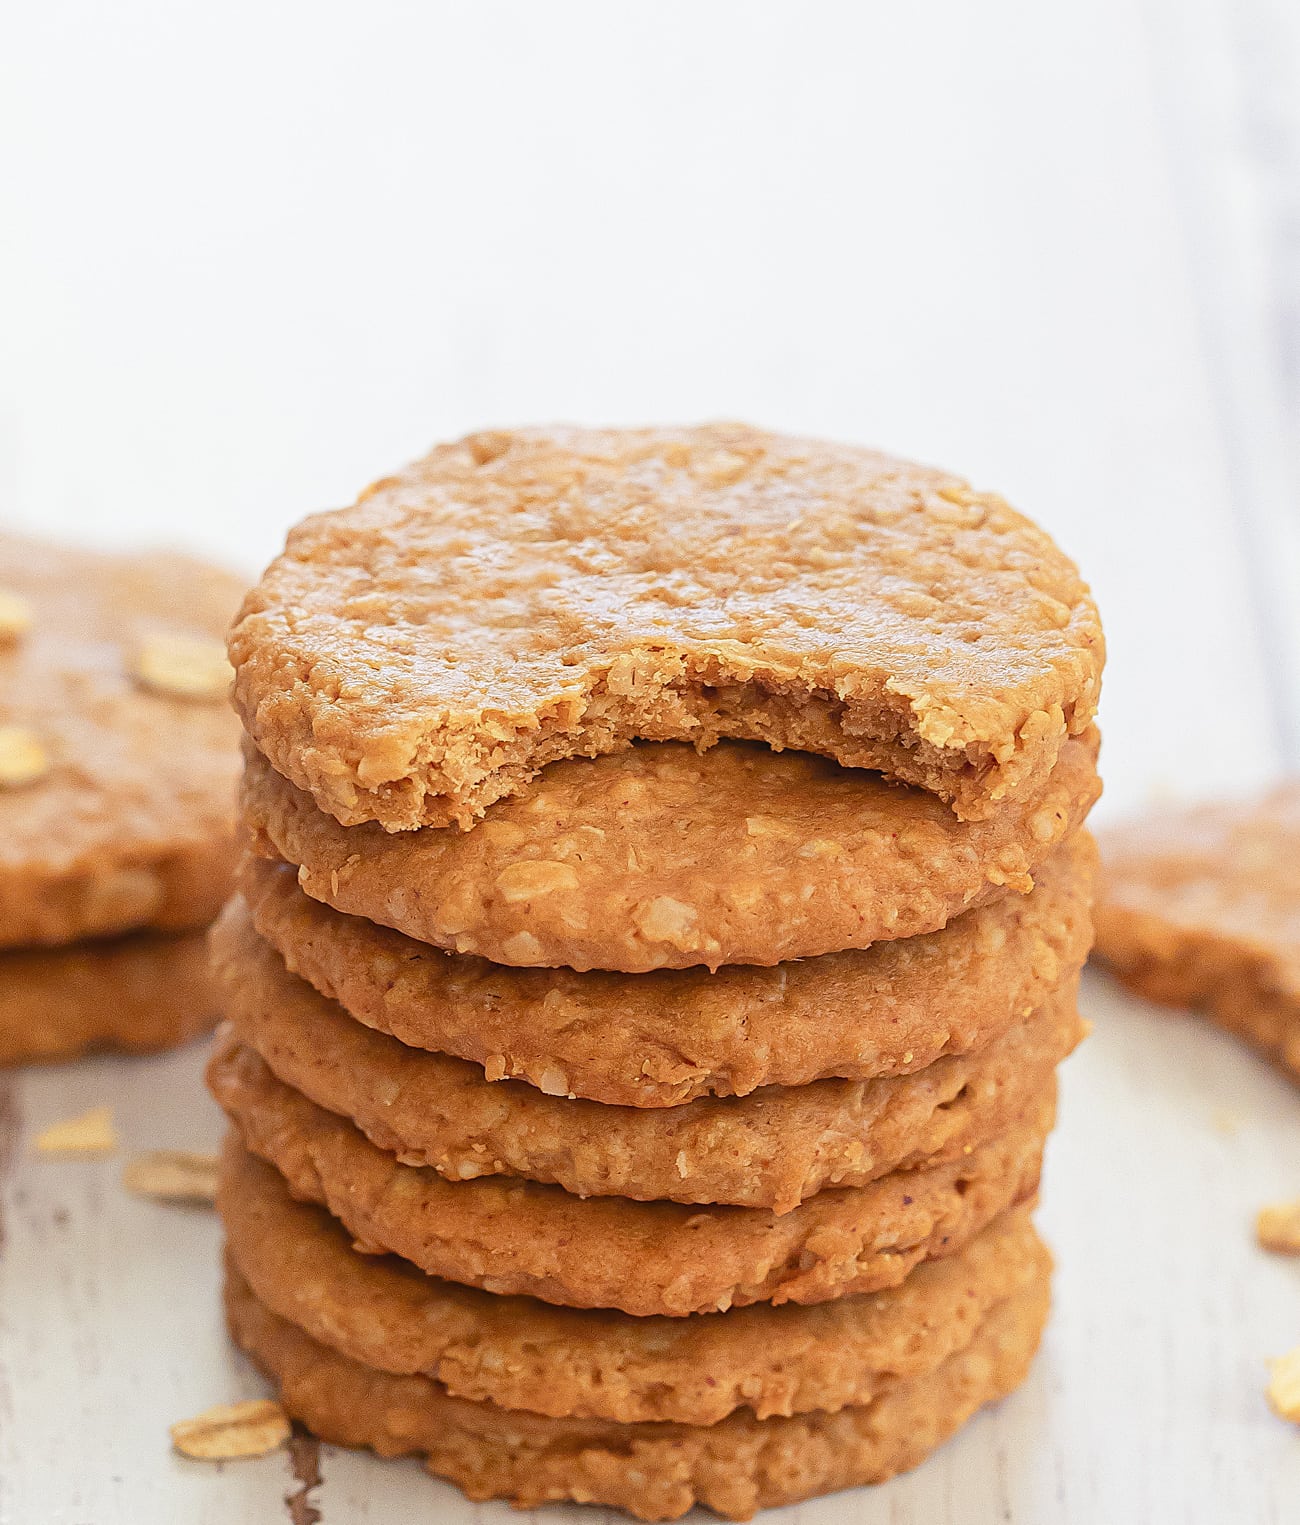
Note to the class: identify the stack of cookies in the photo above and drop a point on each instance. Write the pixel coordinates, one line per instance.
(118, 763)
(662, 924)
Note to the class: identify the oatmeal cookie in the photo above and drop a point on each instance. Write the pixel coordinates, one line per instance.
(517, 598)
(1200, 907)
(519, 1353)
(118, 750)
(512, 1236)
(774, 1148)
(137, 993)
(660, 1039)
(663, 858)
(654, 1471)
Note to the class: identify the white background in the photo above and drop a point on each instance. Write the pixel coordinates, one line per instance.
(253, 255)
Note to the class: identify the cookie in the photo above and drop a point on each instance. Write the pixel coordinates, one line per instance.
(771, 1149)
(566, 1362)
(118, 751)
(663, 858)
(512, 1236)
(137, 993)
(1200, 907)
(663, 1038)
(655, 1471)
(518, 598)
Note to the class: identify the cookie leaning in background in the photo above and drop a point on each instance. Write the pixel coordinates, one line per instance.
(1200, 907)
(118, 759)
(517, 598)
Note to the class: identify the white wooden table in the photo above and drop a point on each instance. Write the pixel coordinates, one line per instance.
(257, 254)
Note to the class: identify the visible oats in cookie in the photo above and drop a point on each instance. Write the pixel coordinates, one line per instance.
(649, 860)
(15, 616)
(523, 1354)
(116, 804)
(659, 1039)
(774, 1149)
(511, 1236)
(23, 758)
(518, 598)
(184, 666)
(657, 1471)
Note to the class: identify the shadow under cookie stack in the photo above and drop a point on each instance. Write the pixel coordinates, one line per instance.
(621, 1122)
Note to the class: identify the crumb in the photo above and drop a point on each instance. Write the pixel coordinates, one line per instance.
(90, 1134)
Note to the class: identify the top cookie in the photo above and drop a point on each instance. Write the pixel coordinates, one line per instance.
(517, 598)
(118, 750)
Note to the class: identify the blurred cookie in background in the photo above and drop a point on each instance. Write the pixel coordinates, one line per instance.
(118, 758)
(1200, 907)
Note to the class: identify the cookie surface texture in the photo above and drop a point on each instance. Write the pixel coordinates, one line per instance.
(118, 751)
(654, 1471)
(689, 584)
(1200, 907)
(663, 1038)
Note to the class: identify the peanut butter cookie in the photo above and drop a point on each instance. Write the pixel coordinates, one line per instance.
(517, 598)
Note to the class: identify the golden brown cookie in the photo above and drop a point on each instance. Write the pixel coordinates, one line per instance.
(138, 993)
(118, 751)
(771, 1149)
(566, 1362)
(1200, 907)
(655, 1471)
(517, 598)
(664, 858)
(512, 1236)
(663, 1038)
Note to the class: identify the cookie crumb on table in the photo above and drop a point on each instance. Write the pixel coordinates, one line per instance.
(89, 1134)
(1284, 1386)
(172, 1175)
(231, 1431)
(1278, 1227)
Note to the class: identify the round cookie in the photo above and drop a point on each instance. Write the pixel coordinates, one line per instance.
(771, 1149)
(566, 1362)
(118, 751)
(664, 1038)
(665, 584)
(655, 1471)
(512, 1236)
(1200, 907)
(665, 858)
(137, 993)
